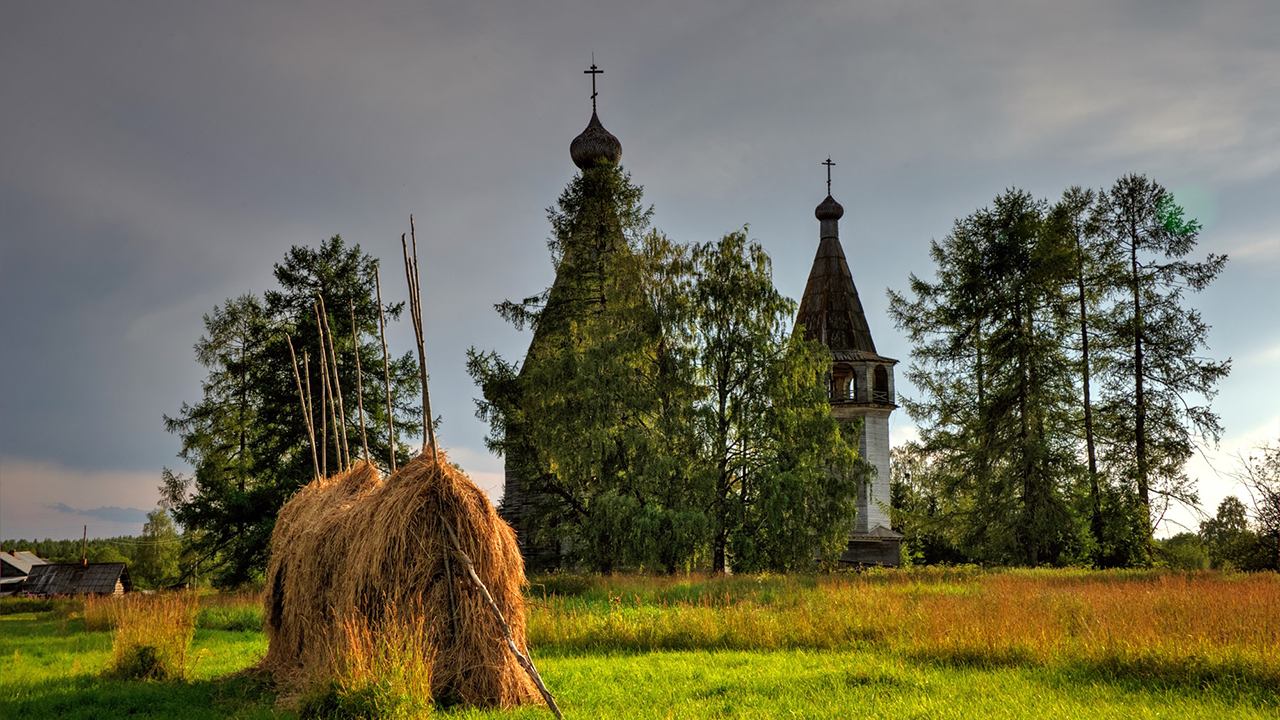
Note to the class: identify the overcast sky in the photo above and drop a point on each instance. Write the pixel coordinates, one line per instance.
(157, 158)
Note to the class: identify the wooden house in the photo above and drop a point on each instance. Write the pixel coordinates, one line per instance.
(78, 579)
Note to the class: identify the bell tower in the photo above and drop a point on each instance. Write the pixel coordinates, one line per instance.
(860, 384)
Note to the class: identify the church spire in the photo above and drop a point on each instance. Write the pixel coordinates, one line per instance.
(595, 142)
(830, 309)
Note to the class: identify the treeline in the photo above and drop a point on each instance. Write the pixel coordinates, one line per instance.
(155, 558)
(1062, 379)
(665, 417)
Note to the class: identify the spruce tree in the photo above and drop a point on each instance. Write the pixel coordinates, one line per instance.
(998, 403)
(246, 439)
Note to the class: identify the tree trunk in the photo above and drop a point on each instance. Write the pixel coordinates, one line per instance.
(1139, 401)
(1095, 493)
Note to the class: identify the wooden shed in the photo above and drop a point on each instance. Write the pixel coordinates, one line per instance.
(78, 579)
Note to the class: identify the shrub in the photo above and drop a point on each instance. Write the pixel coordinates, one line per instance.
(21, 604)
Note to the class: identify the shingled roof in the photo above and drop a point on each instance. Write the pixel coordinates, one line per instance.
(830, 310)
(77, 579)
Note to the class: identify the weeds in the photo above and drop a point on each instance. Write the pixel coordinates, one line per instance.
(153, 634)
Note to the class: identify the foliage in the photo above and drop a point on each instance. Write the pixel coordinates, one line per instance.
(1148, 419)
(988, 358)
(662, 416)
(780, 472)
(246, 438)
(1184, 551)
(1058, 367)
(1258, 471)
(1232, 543)
(155, 563)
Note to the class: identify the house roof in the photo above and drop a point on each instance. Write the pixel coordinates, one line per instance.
(31, 557)
(878, 533)
(14, 565)
(77, 579)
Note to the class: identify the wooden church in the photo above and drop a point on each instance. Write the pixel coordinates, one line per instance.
(861, 380)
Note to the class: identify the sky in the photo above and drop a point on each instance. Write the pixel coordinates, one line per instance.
(158, 158)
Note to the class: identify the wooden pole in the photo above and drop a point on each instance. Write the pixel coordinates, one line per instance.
(415, 301)
(84, 547)
(355, 343)
(337, 384)
(311, 413)
(326, 391)
(523, 659)
(386, 370)
(311, 432)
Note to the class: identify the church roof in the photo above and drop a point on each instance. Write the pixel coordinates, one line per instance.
(594, 143)
(830, 309)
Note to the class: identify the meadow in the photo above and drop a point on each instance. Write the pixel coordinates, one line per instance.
(925, 643)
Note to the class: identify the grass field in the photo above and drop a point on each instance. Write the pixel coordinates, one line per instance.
(925, 643)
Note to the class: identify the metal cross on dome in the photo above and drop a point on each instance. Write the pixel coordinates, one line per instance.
(593, 72)
(829, 165)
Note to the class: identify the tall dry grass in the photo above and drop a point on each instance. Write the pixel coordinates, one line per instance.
(1184, 626)
(153, 633)
(381, 669)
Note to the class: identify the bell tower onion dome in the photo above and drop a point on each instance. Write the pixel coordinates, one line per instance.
(594, 143)
(829, 209)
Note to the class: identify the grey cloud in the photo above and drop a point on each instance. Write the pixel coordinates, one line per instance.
(109, 514)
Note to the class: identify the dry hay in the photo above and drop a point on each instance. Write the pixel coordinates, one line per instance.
(352, 547)
(306, 554)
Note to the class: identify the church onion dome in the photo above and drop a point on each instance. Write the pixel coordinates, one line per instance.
(829, 209)
(594, 143)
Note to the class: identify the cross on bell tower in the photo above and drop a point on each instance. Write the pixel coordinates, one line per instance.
(593, 72)
(829, 165)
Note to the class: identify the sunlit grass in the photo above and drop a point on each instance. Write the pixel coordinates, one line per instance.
(934, 643)
(1147, 624)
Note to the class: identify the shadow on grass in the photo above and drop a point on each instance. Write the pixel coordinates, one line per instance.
(90, 697)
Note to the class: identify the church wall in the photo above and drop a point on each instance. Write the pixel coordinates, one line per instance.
(873, 446)
(875, 435)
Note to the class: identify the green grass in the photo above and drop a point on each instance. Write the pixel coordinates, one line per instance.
(626, 647)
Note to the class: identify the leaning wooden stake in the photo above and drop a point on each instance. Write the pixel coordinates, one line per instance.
(326, 396)
(306, 417)
(355, 342)
(523, 659)
(415, 311)
(386, 370)
(311, 413)
(337, 383)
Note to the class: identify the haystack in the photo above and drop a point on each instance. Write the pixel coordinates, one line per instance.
(351, 547)
(306, 554)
